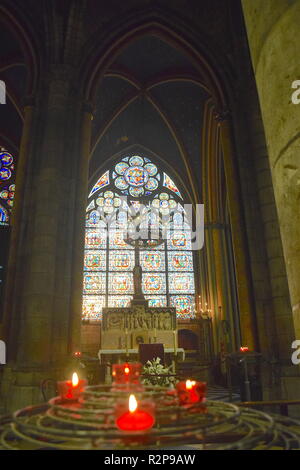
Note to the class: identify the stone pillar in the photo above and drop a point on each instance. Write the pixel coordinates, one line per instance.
(243, 276)
(273, 33)
(46, 305)
(45, 282)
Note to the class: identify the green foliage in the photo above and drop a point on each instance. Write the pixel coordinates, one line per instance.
(155, 367)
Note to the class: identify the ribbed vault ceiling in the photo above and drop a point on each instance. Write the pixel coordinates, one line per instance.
(151, 96)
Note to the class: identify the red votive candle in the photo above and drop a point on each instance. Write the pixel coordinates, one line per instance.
(134, 416)
(126, 373)
(69, 390)
(244, 349)
(190, 392)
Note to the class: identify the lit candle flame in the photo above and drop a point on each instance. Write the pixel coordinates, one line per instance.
(126, 370)
(132, 404)
(75, 379)
(189, 384)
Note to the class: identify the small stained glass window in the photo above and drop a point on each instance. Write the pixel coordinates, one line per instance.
(101, 183)
(7, 187)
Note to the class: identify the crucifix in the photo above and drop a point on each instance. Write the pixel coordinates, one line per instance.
(138, 243)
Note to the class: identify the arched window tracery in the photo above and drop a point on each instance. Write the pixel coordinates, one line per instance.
(136, 185)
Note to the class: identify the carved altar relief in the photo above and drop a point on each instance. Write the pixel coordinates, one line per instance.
(138, 320)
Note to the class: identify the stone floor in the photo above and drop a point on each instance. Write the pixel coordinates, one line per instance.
(218, 393)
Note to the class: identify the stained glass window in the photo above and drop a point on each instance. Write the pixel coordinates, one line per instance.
(95, 260)
(136, 176)
(180, 261)
(168, 183)
(94, 283)
(152, 260)
(154, 283)
(157, 300)
(136, 186)
(101, 183)
(4, 218)
(121, 260)
(92, 306)
(95, 238)
(7, 188)
(181, 282)
(185, 305)
(119, 301)
(120, 283)
(179, 240)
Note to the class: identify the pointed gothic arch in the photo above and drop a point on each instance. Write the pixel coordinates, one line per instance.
(168, 269)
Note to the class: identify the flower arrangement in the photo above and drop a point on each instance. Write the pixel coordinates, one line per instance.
(156, 372)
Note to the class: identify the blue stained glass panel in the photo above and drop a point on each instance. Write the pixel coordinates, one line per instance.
(136, 161)
(152, 260)
(92, 307)
(121, 168)
(119, 301)
(121, 183)
(184, 304)
(95, 260)
(4, 218)
(94, 283)
(5, 174)
(180, 261)
(168, 183)
(116, 240)
(95, 239)
(90, 206)
(154, 283)
(121, 260)
(151, 168)
(157, 300)
(181, 283)
(120, 283)
(101, 183)
(135, 192)
(179, 240)
(152, 184)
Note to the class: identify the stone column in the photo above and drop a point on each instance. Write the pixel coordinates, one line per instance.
(243, 276)
(46, 304)
(273, 34)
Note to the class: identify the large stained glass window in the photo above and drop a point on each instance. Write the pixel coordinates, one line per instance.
(7, 188)
(137, 185)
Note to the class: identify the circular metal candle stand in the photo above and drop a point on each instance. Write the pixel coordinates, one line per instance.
(89, 424)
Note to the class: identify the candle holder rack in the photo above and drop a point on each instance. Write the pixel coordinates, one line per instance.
(89, 424)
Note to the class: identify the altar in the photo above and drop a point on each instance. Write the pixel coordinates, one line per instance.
(126, 328)
(109, 355)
